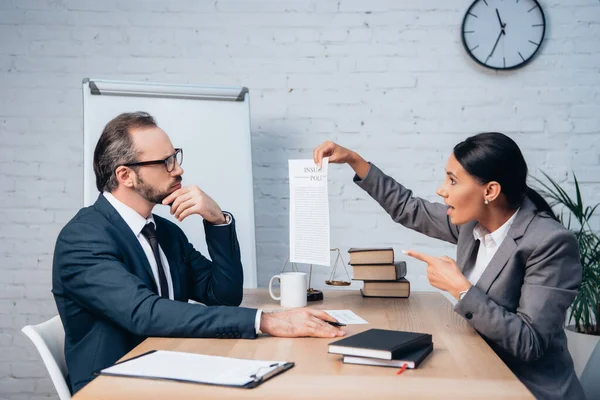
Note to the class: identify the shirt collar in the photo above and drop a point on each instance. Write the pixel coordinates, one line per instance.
(131, 217)
(496, 237)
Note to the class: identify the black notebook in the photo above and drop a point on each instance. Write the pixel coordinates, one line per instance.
(412, 359)
(381, 343)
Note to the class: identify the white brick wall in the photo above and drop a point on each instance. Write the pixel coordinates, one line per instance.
(388, 78)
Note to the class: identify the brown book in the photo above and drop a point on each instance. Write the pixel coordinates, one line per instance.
(399, 288)
(379, 272)
(361, 256)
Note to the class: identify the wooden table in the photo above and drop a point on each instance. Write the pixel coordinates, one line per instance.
(462, 365)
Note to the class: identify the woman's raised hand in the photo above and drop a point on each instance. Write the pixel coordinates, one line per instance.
(336, 153)
(341, 155)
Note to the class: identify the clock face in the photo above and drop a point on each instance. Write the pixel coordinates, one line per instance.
(503, 34)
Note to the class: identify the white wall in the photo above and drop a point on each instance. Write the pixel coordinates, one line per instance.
(387, 78)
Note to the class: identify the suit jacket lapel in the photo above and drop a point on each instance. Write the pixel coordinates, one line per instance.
(497, 263)
(106, 209)
(464, 252)
(167, 244)
(469, 263)
(508, 246)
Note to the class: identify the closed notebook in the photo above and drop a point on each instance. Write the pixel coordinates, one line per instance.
(381, 343)
(412, 359)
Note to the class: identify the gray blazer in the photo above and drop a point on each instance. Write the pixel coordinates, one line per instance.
(518, 305)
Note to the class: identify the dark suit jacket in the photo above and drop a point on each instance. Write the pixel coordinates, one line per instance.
(107, 297)
(518, 305)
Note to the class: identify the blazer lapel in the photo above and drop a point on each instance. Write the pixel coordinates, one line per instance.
(464, 252)
(508, 246)
(497, 263)
(167, 244)
(106, 209)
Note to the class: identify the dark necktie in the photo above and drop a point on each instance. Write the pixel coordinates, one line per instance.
(150, 234)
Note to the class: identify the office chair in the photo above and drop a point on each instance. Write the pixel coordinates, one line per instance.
(49, 339)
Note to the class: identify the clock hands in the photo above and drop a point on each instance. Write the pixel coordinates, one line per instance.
(495, 44)
(502, 26)
(478, 32)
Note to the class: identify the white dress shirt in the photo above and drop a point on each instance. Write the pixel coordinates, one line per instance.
(488, 246)
(136, 222)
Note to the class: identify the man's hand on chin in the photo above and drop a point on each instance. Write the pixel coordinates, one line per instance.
(190, 200)
(300, 322)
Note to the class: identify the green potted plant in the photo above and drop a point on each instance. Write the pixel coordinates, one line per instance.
(584, 333)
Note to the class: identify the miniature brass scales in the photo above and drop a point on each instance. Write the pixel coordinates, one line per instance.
(315, 294)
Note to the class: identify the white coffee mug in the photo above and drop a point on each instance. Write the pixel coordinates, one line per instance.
(292, 290)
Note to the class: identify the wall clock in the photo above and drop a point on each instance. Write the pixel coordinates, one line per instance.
(503, 34)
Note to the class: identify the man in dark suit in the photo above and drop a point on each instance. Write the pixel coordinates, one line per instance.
(122, 274)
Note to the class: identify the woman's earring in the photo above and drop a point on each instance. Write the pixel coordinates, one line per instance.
(486, 201)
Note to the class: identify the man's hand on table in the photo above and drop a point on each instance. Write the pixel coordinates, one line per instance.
(300, 322)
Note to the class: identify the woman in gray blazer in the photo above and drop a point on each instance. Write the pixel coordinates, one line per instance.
(517, 269)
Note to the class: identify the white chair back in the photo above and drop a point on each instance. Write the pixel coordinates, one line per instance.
(49, 339)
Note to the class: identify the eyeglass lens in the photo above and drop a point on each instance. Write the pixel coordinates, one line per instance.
(178, 156)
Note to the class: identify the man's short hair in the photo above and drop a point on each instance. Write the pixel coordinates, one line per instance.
(115, 147)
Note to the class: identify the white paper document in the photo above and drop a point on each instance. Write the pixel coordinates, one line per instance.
(346, 317)
(309, 213)
(200, 368)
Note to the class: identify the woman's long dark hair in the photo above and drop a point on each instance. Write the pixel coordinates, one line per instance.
(493, 156)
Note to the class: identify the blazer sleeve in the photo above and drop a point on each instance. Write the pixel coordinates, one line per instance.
(93, 276)
(552, 278)
(412, 212)
(220, 281)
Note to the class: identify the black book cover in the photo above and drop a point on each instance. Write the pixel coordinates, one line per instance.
(412, 359)
(381, 343)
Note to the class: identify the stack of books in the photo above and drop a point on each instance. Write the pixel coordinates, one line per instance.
(384, 348)
(382, 276)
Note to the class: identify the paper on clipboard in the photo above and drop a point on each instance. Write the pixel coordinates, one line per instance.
(198, 368)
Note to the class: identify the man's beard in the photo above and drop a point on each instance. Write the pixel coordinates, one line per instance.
(149, 193)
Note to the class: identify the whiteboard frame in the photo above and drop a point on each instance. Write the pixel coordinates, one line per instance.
(99, 87)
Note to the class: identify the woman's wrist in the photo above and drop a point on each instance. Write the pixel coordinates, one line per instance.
(359, 165)
(461, 288)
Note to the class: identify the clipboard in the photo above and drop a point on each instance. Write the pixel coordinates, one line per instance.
(198, 368)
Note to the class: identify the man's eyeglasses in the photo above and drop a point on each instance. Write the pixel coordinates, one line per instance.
(169, 162)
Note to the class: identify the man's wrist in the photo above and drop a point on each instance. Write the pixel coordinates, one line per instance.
(227, 218)
(263, 323)
(221, 221)
(257, 320)
(267, 320)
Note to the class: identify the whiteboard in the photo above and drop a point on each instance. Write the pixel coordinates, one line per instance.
(211, 124)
